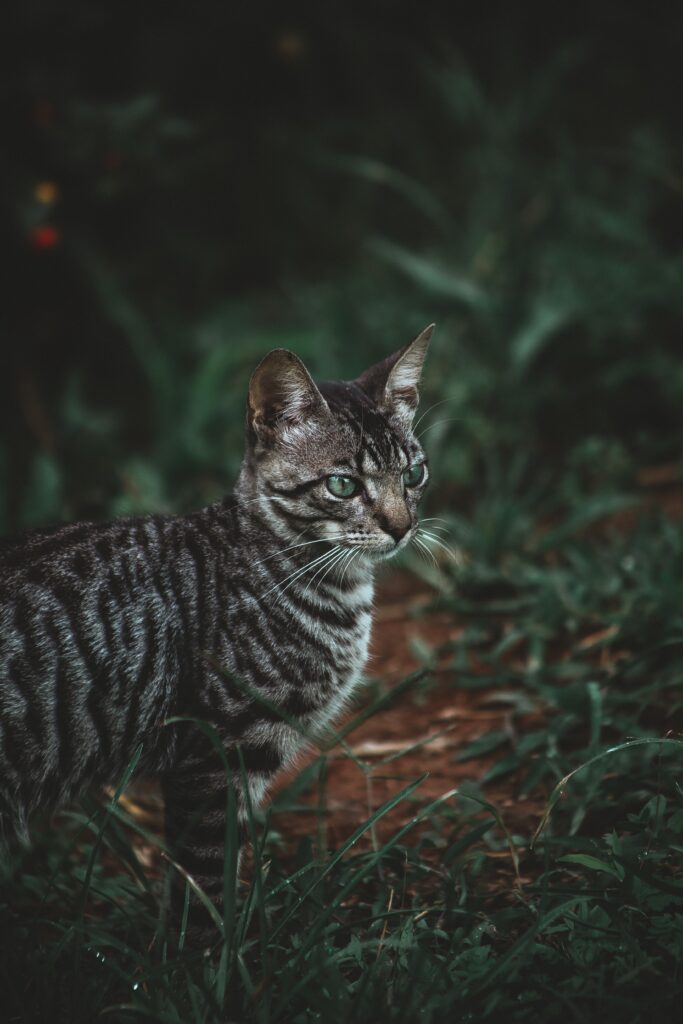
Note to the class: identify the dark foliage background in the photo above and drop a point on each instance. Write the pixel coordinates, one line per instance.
(182, 190)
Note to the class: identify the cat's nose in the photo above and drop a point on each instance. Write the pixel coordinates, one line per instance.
(396, 528)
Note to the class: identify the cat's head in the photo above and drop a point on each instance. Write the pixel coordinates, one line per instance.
(338, 460)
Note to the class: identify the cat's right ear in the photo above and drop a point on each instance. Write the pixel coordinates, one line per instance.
(282, 394)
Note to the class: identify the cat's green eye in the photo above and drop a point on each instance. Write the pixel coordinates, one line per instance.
(414, 475)
(342, 486)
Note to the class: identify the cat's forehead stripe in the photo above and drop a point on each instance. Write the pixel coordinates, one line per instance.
(363, 442)
(371, 434)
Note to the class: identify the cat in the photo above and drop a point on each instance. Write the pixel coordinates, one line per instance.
(108, 630)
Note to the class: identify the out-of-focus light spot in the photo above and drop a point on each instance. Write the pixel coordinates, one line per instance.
(46, 192)
(113, 160)
(47, 236)
(43, 112)
(290, 46)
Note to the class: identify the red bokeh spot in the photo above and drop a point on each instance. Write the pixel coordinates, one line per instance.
(113, 160)
(47, 236)
(43, 112)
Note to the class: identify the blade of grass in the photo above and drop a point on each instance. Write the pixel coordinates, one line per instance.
(559, 789)
(347, 845)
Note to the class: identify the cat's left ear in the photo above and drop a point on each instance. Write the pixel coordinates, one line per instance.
(282, 394)
(394, 383)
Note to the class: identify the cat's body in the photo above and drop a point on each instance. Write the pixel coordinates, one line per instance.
(252, 614)
(124, 624)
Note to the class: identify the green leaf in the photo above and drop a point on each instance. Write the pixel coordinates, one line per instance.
(594, 863)
(590, 511)
(431, 276)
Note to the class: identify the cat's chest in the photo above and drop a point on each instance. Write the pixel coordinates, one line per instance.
(310, 655)
(329, 694)
(350, 649)
(331, 645)
(306, 659)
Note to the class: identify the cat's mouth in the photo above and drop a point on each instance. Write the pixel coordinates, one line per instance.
(382, 548)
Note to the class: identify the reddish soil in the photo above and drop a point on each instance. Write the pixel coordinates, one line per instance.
(422, 731)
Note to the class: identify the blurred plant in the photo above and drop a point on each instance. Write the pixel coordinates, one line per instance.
(548, 277)
(543, 261)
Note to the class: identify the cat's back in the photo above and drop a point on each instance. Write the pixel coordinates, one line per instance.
(78, 549)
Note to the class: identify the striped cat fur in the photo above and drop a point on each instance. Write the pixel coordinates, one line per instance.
(108, 630)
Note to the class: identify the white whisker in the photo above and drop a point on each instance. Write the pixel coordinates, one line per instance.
(324, 562)
(325, 565)
(425, 413)
(452, 419)
(299, 571)
(437, 540)
(355, 552)
(423, 556)
(345, 561)
(423, 547)
(329, 568)
(291, 547)
(435, 526)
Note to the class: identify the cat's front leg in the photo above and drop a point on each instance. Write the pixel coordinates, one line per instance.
(198, 801)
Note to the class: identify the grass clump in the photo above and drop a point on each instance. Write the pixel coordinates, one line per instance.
(587, 919)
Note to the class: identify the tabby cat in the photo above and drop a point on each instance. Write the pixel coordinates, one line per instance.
(108, 630)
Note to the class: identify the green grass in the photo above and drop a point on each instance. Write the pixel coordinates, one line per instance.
(558, 299)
